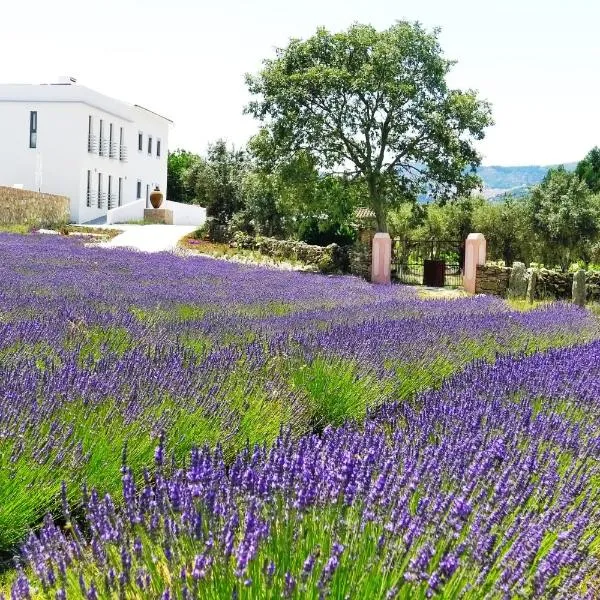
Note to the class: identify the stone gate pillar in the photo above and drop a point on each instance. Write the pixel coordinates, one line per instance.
(381, 260)
(475, 253)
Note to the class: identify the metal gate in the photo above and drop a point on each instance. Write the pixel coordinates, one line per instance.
(434, 262)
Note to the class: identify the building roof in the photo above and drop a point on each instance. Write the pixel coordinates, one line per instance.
(152, 112)
(70, 92)
(363, 212)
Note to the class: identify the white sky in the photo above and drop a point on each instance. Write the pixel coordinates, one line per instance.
(537, 61)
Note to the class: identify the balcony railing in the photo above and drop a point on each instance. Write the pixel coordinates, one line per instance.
(90, 198)
(123, 153)
(92, 143)
(103, 147)
(114, 150)
(112, 201)
(101, 199)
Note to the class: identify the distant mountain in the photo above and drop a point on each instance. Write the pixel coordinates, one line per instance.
(499, 181)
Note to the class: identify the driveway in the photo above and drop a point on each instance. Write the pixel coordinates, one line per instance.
(148, 238)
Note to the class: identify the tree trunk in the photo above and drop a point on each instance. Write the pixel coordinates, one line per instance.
(378, 206)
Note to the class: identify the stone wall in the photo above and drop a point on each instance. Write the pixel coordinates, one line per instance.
(24, 207)
(328, 259)
(549, 285)
(553, 285)
(492, 280)
(359, 259)
(593, 286)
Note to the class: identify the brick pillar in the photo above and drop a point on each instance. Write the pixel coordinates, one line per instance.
(381, 265)
(475, 253)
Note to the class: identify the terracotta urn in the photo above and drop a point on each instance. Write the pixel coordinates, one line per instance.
(156, 197)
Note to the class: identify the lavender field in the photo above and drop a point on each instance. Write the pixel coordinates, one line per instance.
(192, 428)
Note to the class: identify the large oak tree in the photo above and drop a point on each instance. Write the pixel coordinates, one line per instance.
(374, 105)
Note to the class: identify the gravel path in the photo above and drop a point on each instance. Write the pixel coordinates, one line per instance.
(149, 238)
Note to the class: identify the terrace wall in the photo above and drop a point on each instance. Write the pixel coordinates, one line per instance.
(34, 209)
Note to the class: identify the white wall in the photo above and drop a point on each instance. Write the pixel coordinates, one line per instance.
(150, 169)
(133, 211)
(55, 166)
(183, 214)
(186, 214)
(62, 145)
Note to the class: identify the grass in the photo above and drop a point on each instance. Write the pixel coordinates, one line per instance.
(102, 232)
(15, 228)
(99, 232)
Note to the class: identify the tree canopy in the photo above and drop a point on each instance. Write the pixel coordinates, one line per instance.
(178, 165)
(563, 216)
(215, 182)
(588, 170)
(374, 106)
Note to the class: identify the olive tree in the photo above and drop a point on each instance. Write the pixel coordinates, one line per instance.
(374, 105)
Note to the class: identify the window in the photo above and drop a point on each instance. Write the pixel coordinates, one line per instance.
(101, 144)
(91, 140)
(122, 149)
(139, 190)
(140, 141)
(157, 147)
(33, 129)
(110, 191)
(149, 144)
(88, 196)
(147, 193)
(110, 141)
(120, 196)
(100, 189)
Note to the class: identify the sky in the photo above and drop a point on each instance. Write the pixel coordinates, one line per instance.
(536, 61)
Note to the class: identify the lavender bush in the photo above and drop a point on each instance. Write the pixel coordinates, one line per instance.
(102, 351)
(479, 489)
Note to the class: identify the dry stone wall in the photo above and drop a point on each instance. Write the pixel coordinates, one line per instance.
(359, 258)
(542, 284)
(593, 286)
(33, 209)
(328, 259)
(553, 285)
(492, 280)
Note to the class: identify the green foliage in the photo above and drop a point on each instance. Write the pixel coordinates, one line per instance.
(215, 182)
(178, 165)
(321, 232)
(376, 106)
(291, 198)
(507, 230)
(563, 217)
(265, 212)
(588, 170)
(337, 391)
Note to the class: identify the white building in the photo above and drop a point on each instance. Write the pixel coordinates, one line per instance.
(69, 140)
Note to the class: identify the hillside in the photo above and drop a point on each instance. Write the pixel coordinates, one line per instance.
(499, 180)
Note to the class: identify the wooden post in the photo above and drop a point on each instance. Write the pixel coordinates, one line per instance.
(381, 261)
(475, 254)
